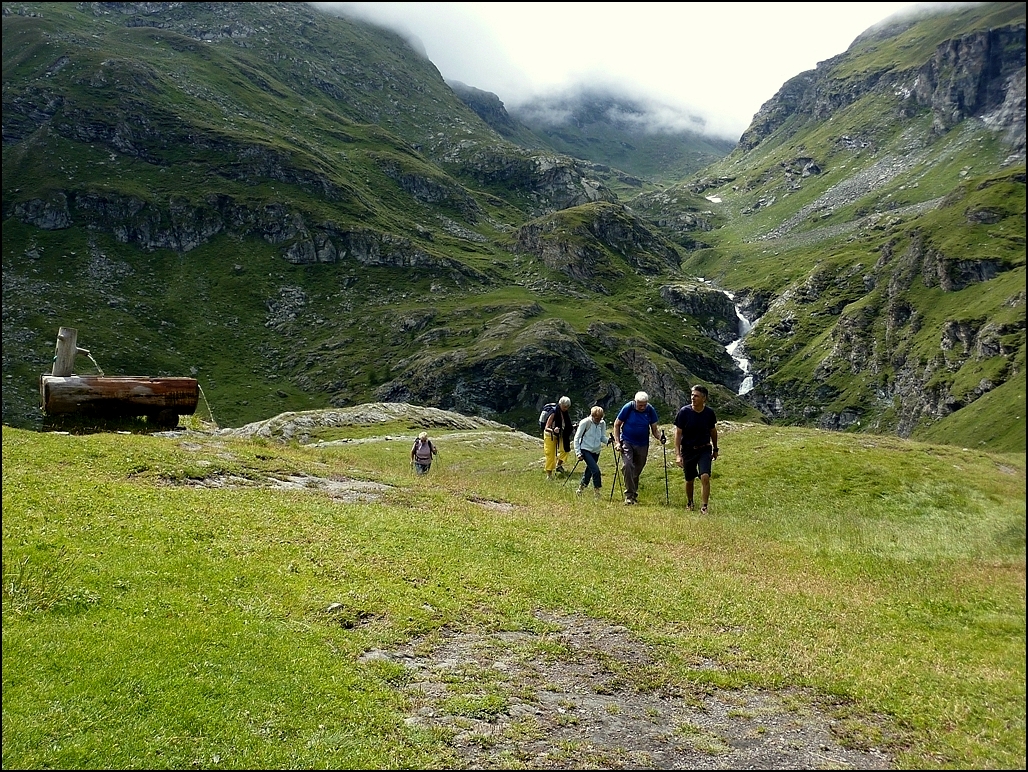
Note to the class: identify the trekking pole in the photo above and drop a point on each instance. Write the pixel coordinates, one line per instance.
(667, 491)
(617, 456)
(572, 472)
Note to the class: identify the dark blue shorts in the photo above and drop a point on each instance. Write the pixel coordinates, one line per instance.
(697, 462)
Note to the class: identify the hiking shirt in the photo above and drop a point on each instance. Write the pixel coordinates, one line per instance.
(423, 451)
(590, 436)
(635, 429)
(695, 427)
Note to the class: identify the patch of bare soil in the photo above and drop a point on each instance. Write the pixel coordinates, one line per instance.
(339, 489)
(492, 504)
(589, 696)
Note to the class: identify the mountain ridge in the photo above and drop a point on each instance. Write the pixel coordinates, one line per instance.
(647, 140)
(302, 199)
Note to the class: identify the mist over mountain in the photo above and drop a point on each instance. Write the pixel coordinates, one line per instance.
(644, 137)
(589, 105)
(296, 209)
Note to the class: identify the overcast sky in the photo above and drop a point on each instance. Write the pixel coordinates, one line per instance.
(718, 60)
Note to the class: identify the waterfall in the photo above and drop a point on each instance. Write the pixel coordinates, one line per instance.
(745, 325)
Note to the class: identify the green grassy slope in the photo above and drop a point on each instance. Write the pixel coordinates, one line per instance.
(167, 603)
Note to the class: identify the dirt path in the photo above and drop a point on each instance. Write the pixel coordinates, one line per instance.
(589, 696)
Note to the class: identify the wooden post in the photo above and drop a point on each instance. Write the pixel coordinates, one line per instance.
(67, 350)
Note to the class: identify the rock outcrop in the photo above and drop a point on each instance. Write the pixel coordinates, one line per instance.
(541, 182)
(182, 226)
(871, 343)
(494, 371)
(977, 75)
(711, 308)
(595, 244)
(301, 425)
(487, 106)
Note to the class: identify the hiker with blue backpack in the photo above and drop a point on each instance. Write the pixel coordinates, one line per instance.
(590, 438)
(557, 429)
(634, 425)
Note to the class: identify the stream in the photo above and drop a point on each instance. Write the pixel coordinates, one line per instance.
(733, 348)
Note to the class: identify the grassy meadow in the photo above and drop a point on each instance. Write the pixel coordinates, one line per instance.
(166, 605)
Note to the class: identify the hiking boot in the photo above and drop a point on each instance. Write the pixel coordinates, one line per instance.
(629, 502)
(703, 509)
(690, 506)
(598, 494)
(579, 491)
(549, 476)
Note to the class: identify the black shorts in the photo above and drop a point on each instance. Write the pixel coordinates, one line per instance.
(697, 462)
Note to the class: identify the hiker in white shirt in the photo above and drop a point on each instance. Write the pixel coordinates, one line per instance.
(589, 441)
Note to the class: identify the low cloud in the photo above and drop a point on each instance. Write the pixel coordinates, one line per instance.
(705, 67)
(621, 107)
(465, 49)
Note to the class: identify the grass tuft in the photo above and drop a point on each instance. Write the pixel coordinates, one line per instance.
(39, 585)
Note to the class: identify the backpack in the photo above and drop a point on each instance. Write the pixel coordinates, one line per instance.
(548, 409)
(419, 456)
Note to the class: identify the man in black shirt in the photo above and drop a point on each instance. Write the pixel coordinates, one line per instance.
(696, 444)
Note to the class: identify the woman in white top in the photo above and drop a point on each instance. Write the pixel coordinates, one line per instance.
(589, 441)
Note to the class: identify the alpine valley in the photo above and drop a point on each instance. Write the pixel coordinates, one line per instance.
(297, 210)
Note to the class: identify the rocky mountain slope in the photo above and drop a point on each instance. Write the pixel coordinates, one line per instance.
(296, 209)
(872, 217)
(645, 141)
